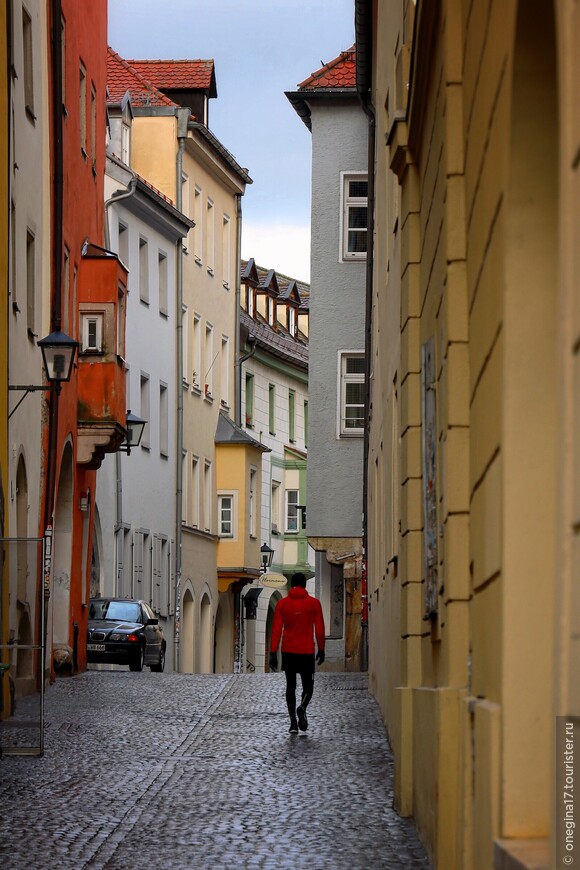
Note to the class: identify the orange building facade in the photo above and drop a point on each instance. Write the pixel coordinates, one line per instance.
(88, 291)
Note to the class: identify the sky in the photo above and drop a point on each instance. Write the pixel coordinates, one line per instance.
(261, 48)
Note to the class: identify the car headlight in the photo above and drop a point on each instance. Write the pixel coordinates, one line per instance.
(116, 636)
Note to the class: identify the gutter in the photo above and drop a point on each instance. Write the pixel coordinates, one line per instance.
(363, 35)
(182, 123)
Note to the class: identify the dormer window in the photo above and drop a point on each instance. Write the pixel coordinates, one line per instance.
(291, 321)
(126, 143)
(270, 311)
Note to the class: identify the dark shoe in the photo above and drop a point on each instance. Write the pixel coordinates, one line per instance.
(293, 727)
(302, 720)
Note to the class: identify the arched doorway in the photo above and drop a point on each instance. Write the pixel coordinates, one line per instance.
(187, 628)
(205, 636)
(62, 556)
(530, 424)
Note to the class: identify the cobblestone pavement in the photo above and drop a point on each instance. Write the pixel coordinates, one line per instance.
(199, 772)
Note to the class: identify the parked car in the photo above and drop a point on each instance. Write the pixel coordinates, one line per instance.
(124, 632)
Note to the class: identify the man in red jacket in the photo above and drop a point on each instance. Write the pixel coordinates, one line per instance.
(297, 619)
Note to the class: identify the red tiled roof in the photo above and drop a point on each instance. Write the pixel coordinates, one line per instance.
(121, 77)
(338, 73)
(177, 74)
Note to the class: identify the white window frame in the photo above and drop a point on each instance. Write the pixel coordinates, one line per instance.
(144, 270)
(207, 495)
(223, 497)
(195, 491)
(347, 202)
(198, 228)
(225, 371)
(288, 525)
(210, 236)
(226, 252)
(86, 320)
(196, 374)
(252, 501)
(276, 489)
(345, 378)
(163, 282)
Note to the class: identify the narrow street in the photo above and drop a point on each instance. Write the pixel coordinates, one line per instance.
(190, 771)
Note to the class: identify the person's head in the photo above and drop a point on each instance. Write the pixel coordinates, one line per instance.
(298, 579)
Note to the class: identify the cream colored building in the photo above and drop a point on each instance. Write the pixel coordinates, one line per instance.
(181, 157)
(474, 449)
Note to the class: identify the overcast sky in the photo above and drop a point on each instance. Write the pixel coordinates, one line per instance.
(261, 48)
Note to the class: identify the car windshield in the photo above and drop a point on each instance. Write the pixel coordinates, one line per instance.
(128, 611)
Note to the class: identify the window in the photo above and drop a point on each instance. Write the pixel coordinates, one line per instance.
(145, 411)
(93, 126)
(185, 345)
(225, 371)
(121, 298)
(123, 244)
(354, 217)
(162, 262)
(209, 259)
(207, 495)
(292, 510)
(253, 476)
(292, 321)
(291, 416)
(271, 311)
(66, 291)
(275, 498)
(272, 408)
(91, 333)
(184, 488)
(30, 283)
(195, 492)
(226, 516)
(305, 423)
(83, 108)
(249, 400)
(198, 229)
(352, 398)
(185, 194)
(163, 420)
(196, 375)
(226, 252)
(208, 360)
(144, 271)
(28, 63)
(126, 144)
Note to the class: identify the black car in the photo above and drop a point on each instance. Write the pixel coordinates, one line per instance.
(124, 632)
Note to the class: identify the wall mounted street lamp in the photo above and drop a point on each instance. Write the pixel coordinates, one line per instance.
(267, 554)
(135, 426)
(58, 354)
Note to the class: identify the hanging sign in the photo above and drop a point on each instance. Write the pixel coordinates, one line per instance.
(272, 579)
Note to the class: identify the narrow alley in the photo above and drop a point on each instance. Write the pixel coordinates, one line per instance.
(199, 771)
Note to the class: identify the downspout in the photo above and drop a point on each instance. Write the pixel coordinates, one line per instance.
(364, 33)
(237, 341)
(182, 122)
(117, 196)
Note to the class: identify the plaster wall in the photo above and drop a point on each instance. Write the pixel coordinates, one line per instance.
(28, 210)
(150, 352)
(339, 135)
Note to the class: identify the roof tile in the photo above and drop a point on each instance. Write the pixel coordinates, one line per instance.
(177, 74)
(338, 73)
(121, 77)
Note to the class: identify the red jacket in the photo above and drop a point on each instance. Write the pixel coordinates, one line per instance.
(300, 616)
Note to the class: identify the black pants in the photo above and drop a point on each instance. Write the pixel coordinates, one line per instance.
(293, 664)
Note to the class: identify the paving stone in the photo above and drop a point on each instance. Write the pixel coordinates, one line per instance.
(198, 772)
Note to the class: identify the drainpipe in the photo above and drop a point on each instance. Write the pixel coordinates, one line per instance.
(363, 31)
(117, 196)
(122, 193)
(182, 122)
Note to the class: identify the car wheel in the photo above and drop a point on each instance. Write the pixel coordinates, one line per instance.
(136, 664)
(160, 666)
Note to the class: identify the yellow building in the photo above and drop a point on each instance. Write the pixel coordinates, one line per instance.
(473, 453)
